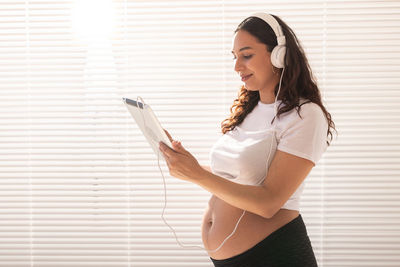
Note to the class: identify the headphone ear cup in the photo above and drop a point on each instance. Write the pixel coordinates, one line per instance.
(278, 56)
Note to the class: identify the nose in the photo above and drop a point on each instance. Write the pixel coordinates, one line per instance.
(238, 65)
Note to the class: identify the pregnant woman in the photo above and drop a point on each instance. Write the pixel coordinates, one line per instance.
(277, 131)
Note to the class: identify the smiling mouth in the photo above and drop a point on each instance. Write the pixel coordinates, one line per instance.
(245, 78)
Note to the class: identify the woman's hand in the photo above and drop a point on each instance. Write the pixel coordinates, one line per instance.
(180, 162)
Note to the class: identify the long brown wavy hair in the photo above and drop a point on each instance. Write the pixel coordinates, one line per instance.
(297, 81)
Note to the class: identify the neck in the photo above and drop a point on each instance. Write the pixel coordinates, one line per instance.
(267, 95)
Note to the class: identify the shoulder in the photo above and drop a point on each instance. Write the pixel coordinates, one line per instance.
(307, 111)
(313, 110)
(304, 134)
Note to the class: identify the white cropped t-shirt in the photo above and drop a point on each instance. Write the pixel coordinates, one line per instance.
(244, 154)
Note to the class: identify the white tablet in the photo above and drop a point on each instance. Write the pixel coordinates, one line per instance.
(148, 123)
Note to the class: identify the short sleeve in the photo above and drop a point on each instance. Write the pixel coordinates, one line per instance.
(304, 137)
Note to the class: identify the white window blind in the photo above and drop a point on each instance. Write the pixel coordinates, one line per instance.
(79, 185)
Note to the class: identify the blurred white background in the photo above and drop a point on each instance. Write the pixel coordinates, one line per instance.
(79, 185)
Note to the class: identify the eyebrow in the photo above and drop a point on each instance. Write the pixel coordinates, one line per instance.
(243, 48)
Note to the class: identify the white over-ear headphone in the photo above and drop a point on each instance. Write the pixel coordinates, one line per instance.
(279, 51)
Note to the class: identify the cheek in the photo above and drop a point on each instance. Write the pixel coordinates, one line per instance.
(260, 65)
(263, 72)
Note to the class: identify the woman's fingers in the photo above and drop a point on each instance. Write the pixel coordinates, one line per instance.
(169, 136)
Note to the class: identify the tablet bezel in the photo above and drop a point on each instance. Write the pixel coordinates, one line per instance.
(148, 124)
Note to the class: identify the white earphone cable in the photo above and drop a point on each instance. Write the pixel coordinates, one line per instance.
(176, 237)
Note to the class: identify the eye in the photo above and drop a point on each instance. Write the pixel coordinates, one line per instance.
(245, 57)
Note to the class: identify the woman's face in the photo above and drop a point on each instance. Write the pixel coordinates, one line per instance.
(253, 64)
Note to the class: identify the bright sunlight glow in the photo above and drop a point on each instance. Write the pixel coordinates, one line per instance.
(93, 20)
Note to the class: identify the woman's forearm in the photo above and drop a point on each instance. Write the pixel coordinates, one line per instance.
(206, 167)
(252, 198)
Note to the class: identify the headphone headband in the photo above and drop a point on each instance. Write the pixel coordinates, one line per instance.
(273, 23)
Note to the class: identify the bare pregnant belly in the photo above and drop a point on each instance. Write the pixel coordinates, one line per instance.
(220, 219)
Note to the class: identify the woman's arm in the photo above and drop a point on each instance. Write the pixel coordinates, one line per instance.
(266, 199)
(284, 176)
(207, 168)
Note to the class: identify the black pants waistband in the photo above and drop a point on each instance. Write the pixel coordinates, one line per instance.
(287, 246)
